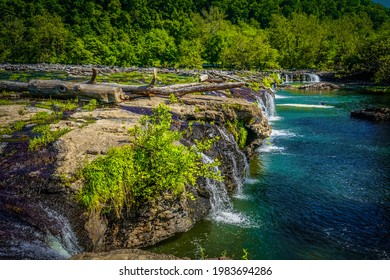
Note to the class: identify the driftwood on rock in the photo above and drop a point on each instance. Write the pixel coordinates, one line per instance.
(178, 90)
(13, 86)
(62, 89)
(111, 92)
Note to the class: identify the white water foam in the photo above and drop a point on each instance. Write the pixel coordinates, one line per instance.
(251, 181)
(311, 78)
(221, 207)
(274, 118)
(267, 104)
(277, 96)
(307, 106)
(269, 148)
(282, 133)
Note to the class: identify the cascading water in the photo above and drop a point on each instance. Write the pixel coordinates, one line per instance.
(221, 206)
(236, 176)
(312, 78)
(267, 104)
(33, 231)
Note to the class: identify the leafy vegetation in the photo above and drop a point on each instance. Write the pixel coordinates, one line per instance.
(46, 136)
(239, 132)
(58, 105)
(45, 118)
(243, 34)
(154, 162)
(92, 105)
(19, 125)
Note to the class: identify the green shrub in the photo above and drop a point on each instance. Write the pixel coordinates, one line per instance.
(92, 105)
(5, 102)
(46, 136)
(19, 125)
(239, 132)
(45, 117)
(59, 105)
(173, 98)
(154, 162)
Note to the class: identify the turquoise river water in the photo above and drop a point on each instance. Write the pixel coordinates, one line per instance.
(319, 187)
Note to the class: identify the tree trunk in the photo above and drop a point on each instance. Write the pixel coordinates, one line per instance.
(178, 90)
(13, 86)
(61, 89)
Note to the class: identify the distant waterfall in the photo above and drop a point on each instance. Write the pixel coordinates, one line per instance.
(312, 78)
(288, 78)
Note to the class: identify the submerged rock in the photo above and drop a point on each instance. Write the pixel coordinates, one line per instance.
(372, 114)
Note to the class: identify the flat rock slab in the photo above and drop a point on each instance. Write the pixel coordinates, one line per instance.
(125, 254)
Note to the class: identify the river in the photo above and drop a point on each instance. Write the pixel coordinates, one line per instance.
(319, 187)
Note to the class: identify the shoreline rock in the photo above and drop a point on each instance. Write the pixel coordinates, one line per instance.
(372, 114)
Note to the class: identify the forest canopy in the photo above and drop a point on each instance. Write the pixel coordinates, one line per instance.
(348, 35)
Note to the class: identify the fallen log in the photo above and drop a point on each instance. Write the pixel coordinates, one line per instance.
(63, 90)
(13, 86)
(178, 90)
(109, 92)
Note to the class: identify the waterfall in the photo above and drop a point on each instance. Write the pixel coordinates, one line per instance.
(267, 104)
(312, 78)
(221, 206)
(37, 232)
(219, 198)
(236, 176)
(286, 78)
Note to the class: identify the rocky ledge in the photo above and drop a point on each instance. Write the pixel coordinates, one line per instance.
(124, 254)
(42, 182)
(320, 86)
(372, 114)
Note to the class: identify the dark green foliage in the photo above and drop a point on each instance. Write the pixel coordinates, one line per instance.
(131, 175)
(243, 34)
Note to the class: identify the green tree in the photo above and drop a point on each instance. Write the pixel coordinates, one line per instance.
(157, 48)
(47, 38)
(248, 48)
(12, 40)
(190, 54)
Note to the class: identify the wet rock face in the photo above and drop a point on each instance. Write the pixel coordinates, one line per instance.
(220, 110)
(155, 221)
(372, 114)
(233, 160)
